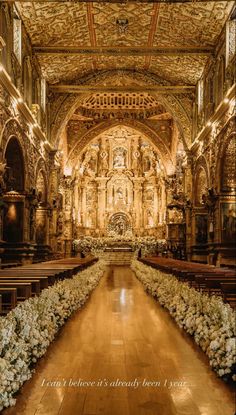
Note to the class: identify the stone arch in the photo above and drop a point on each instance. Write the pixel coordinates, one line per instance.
(15, 163)
(12, 129)
(201, 180)
(148, 133)
(64, 106)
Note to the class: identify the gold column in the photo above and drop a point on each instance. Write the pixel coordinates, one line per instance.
(138, 202)
(83, 204)
(101, 209)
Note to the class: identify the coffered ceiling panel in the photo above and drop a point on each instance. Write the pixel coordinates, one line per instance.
(190, 24)
(56, 23)
(120, 62)
(65, 68)
(119, 24)
(182, 69)
(140, 26)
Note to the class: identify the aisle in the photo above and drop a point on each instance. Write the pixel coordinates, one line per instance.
(122, 334)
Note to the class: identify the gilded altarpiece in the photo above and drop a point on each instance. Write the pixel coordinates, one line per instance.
(119, 186)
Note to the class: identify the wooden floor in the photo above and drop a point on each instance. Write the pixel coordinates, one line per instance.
(123, 334)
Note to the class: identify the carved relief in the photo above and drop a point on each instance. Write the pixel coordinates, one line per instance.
(228, 176)
(201, 186)
(119, 181)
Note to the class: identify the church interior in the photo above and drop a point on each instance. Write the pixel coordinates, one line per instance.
(118, 189)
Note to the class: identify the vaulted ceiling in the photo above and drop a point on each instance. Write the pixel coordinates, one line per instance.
(172, 40)
(97, 55)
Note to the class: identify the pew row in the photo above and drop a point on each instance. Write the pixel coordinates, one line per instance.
(22, 282)
(208, 278)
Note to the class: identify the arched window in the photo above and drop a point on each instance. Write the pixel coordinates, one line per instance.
(41, 188)
(15, 166)
(201, 186)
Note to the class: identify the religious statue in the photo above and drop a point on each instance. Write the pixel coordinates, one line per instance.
(119, 193)
(119, 158)
(150, 221)
(103, 162)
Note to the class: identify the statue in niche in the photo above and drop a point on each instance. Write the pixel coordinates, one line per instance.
(103, 162)
(135, 161)
(90, 219)
(92, 164)
(150, 221)
(146, 164)
(149, 195)
(119, 194)
(119, 158)
(120, 227)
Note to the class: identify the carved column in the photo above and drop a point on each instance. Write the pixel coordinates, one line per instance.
(76, 202)
(138, 203)
(187, 165)
(68, 189)
(54, 201)
(83, 203)
(101, 210)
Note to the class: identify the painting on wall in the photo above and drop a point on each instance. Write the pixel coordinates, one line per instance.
(228, 222)
(201, 229)
(13, 222)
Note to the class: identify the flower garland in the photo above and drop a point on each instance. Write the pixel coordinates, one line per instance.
(207, 318)
(27, 330)
(148, 244)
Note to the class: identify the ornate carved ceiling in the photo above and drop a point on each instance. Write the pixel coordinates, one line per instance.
(123, 45)
(97, 25)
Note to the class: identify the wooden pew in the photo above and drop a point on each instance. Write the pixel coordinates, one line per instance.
(206, 277)
(9, 299)
(23, 289)
(29, 280)
(43, 281)
(51, 279)
(35, 284)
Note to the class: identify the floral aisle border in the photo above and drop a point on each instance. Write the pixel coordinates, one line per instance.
(27, 331)
(207, 319)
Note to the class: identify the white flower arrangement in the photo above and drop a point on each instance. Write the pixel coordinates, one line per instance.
(27, 330)
(208, 319)
(148, 244)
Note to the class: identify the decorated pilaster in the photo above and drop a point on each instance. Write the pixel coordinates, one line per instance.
(101, 209)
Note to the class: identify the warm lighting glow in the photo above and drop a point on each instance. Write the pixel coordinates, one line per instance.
(11, 214)
(209, 124)
(226, 100)
(19, 100)
(122, 296)
(67, 171)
